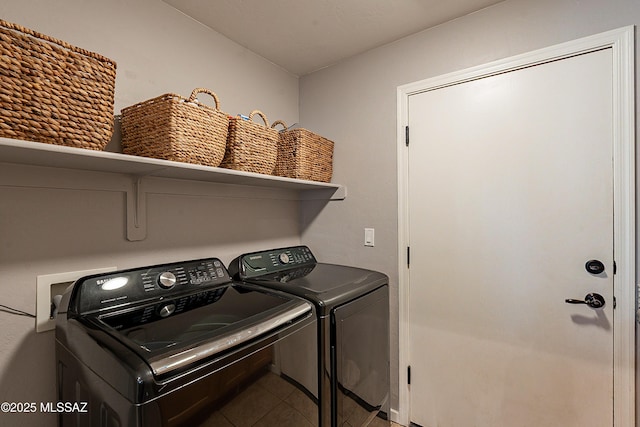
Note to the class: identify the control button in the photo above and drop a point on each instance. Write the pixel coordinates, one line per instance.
(167, 310)
(283, 258)
(166, 280)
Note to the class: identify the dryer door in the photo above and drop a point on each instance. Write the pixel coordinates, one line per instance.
(361, 350)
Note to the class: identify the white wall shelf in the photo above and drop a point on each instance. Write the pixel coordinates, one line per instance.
(69, 158)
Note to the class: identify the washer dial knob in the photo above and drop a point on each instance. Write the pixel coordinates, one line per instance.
(283, 258)
(167, 279)
(167, 310)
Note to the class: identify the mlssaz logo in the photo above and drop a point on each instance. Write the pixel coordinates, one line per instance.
(79, 407)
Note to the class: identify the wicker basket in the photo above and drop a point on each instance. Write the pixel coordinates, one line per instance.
(251, 147)
(53, 92)
(170, 127)
(303, 154)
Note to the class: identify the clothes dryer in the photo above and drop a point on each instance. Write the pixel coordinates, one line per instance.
(352, 308)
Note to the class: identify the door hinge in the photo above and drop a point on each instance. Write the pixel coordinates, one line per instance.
(408, 256)
(409, 375)
(615, 267)
(614, 303)
(406, 135)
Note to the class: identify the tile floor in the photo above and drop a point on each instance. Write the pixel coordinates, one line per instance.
(272, 401)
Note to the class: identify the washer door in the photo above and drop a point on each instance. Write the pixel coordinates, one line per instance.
(174, 335)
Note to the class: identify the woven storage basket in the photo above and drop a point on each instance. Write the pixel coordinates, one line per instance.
(53, 92)
(303, 154)
(170, 127)
(251, 147)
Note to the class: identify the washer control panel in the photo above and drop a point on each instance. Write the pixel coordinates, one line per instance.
(275, 261)
(160, 282)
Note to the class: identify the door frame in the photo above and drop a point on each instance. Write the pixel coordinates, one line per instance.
(622, 43)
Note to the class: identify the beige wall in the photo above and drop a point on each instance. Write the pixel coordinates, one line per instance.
(354, 103)
(160, 50)
(45, 231)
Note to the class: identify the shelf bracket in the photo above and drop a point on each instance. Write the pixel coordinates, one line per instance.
(137, 210)
(339, 193)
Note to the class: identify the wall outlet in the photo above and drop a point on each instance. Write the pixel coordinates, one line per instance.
(50, 285)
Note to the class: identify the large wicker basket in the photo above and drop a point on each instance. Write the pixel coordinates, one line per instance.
(251, 146)
(303, 154)
(53, 92)
(171, 127)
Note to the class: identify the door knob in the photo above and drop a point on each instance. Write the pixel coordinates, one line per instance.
(592, 300)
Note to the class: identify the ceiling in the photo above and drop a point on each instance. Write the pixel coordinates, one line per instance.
(303, 36)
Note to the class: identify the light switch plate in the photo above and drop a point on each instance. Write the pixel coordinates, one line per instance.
(49, 285)
(369, 237)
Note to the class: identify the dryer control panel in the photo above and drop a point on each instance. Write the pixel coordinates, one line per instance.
(272, 261)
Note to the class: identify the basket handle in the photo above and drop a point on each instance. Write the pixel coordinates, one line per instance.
(279, 122)
(261, 114)
(198, 90)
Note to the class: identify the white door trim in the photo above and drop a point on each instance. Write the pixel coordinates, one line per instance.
(622, 43)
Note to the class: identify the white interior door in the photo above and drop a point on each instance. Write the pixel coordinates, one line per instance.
(510, 193)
